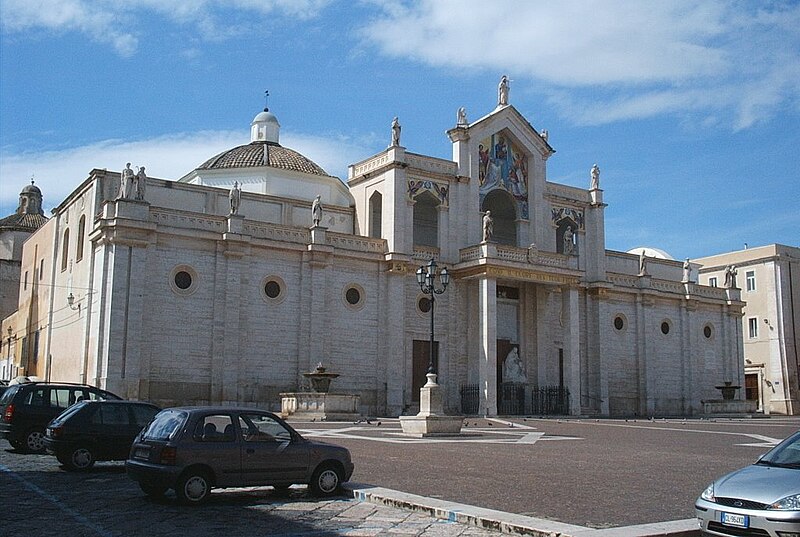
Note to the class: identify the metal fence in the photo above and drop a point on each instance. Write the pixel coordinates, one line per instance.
(518, 399)
(550, 400)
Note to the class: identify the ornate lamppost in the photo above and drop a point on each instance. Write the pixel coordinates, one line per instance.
(426, 278)
(431, 419)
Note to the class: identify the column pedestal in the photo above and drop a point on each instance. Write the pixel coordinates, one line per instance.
(431, 420)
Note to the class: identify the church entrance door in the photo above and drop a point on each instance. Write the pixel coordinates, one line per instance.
(419, 368)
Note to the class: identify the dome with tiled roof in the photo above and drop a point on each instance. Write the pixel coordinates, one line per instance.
(262, 153)
(29, 215)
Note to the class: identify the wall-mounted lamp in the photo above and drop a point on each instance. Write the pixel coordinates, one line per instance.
(71, 302)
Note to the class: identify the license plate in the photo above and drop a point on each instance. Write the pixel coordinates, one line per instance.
(729, 519)
(141, 453)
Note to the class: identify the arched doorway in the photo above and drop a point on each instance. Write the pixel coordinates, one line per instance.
(504, 216)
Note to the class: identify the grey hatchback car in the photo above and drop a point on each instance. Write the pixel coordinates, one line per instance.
(762, 499)
(194, 449)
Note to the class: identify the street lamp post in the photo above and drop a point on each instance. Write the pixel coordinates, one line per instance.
(426, 278)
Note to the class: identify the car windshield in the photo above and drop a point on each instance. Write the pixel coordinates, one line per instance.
(165, 425)
(786, 454)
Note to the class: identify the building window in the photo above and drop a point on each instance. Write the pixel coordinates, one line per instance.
(273, 289)
(750, 276)
(426, 220)
(708, 331)
(665, 327)
(619, 322)
(41, 268)
(354, 296)
(375, 215)
(81, 230)
(25, 282)
(424, 304)
(65, 250)
(752, 327)
(712, 282)
(184, 280)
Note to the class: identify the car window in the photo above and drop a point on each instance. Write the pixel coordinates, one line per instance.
(166, 425)
(69, 412)
(111, 415)
(142, 414)
(37, 397)
(9, 395)
(215, 428)
(62, 397)
(263, 428)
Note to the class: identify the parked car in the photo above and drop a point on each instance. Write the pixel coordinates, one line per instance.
(760, 499)
(91, 431)
(195, 449)
(27, 408)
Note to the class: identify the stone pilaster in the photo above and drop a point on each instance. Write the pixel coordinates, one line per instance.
(487, 360)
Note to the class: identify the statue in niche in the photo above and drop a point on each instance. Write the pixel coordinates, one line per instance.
(595, 177)
(235, 197)
(316, 211)
(513, 370)
(461, 118)
(730, 277)
(488, 226)
(502, 91)
(642, 263)
(126, 183)
(139, 184)
(687, 271)
(569, 241)
(395, 132)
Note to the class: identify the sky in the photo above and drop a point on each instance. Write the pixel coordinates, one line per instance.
(691, 109)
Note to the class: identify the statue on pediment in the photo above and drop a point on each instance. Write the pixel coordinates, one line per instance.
(502, 91)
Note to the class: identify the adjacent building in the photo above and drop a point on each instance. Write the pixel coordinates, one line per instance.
(224, 286)
(14, 229)
(769, 277)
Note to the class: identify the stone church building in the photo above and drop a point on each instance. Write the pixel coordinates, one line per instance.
(221, 288)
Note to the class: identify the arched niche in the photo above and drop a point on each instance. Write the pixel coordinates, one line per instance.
(504, 216)
(426, 220)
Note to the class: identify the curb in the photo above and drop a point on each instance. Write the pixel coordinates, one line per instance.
(509, 522)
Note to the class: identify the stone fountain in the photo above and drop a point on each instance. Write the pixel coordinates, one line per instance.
(320, 404)
(728, 405)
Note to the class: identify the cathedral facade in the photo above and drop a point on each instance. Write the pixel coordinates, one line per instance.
(227, 285)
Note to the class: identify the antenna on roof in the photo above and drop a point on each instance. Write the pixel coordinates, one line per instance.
(266, 101)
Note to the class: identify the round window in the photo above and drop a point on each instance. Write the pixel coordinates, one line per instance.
(183, 280)
(665, 328)
(619, 322)
(424, 304)
(707, 331)
(272, 289)
(353, 296)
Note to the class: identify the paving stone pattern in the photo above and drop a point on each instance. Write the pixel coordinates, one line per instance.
(39, 498)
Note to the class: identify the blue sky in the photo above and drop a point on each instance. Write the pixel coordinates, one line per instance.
(691, 109)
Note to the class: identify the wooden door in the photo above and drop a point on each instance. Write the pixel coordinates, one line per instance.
(421, 359)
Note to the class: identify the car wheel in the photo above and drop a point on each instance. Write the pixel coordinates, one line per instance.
(326, 480)
(80, 458)
(193, 487)
(154, 491)
(34, 441)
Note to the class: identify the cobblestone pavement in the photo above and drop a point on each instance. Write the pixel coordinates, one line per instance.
(38, 498)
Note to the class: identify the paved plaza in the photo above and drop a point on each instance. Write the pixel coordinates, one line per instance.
(579, 477)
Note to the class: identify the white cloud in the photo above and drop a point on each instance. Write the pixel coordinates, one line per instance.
(57, 173)
(636, 58)
(115, 22)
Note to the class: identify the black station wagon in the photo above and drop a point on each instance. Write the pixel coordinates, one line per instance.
(195, 449)
(27, 408)
(92, 431)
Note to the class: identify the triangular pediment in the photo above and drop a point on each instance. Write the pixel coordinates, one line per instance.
(516, 126)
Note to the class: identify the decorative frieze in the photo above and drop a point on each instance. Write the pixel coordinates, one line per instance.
(559, 213)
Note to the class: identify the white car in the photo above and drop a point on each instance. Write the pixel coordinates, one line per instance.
(762, 499)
